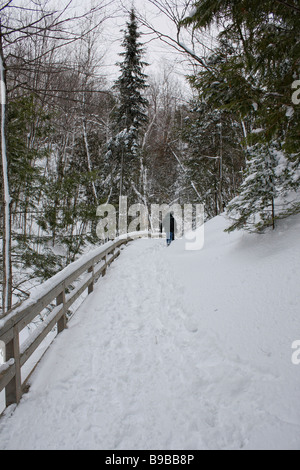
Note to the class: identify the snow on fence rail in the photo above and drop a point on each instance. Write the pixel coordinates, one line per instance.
(90, 268)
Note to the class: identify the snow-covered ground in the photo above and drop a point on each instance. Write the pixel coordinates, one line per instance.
(176, 350)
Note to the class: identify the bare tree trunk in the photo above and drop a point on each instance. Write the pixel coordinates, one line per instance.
(7, 274)
(89, 160)
(273, 213)
(121, 176)
(221, 209)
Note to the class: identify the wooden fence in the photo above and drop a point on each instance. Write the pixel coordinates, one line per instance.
(58, 290)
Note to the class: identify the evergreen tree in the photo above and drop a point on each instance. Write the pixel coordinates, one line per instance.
(254, 207)
(131, 110)
(268, 189)
(123, 155)
(250, 74)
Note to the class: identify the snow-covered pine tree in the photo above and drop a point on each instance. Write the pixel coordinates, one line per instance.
(250, 74)
(132, 105)
(130, 116)
(254, 208)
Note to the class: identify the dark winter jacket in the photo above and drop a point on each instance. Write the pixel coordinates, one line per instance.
(169, 224)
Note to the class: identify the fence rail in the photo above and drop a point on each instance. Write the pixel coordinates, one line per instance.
(56, 290)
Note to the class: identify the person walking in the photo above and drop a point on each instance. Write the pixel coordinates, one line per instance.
(169, 226)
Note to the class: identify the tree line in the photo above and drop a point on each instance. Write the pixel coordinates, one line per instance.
(74, 141)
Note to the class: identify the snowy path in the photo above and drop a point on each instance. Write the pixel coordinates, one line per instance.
(145, 364)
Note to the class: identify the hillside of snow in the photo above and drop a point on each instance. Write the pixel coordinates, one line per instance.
(176, 350)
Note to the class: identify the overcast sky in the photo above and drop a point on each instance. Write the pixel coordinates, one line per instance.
(158, 55)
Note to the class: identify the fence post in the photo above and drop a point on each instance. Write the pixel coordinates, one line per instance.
(105, 262)
(62, 322)
(91, 286)
(13, 391)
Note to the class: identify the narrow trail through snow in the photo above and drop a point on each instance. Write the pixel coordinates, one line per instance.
(137, 370)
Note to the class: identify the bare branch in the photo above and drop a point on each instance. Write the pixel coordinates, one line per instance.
(6, 5)
(293, 7)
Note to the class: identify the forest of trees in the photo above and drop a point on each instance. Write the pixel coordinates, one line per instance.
(249, 76)
(73, 141)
